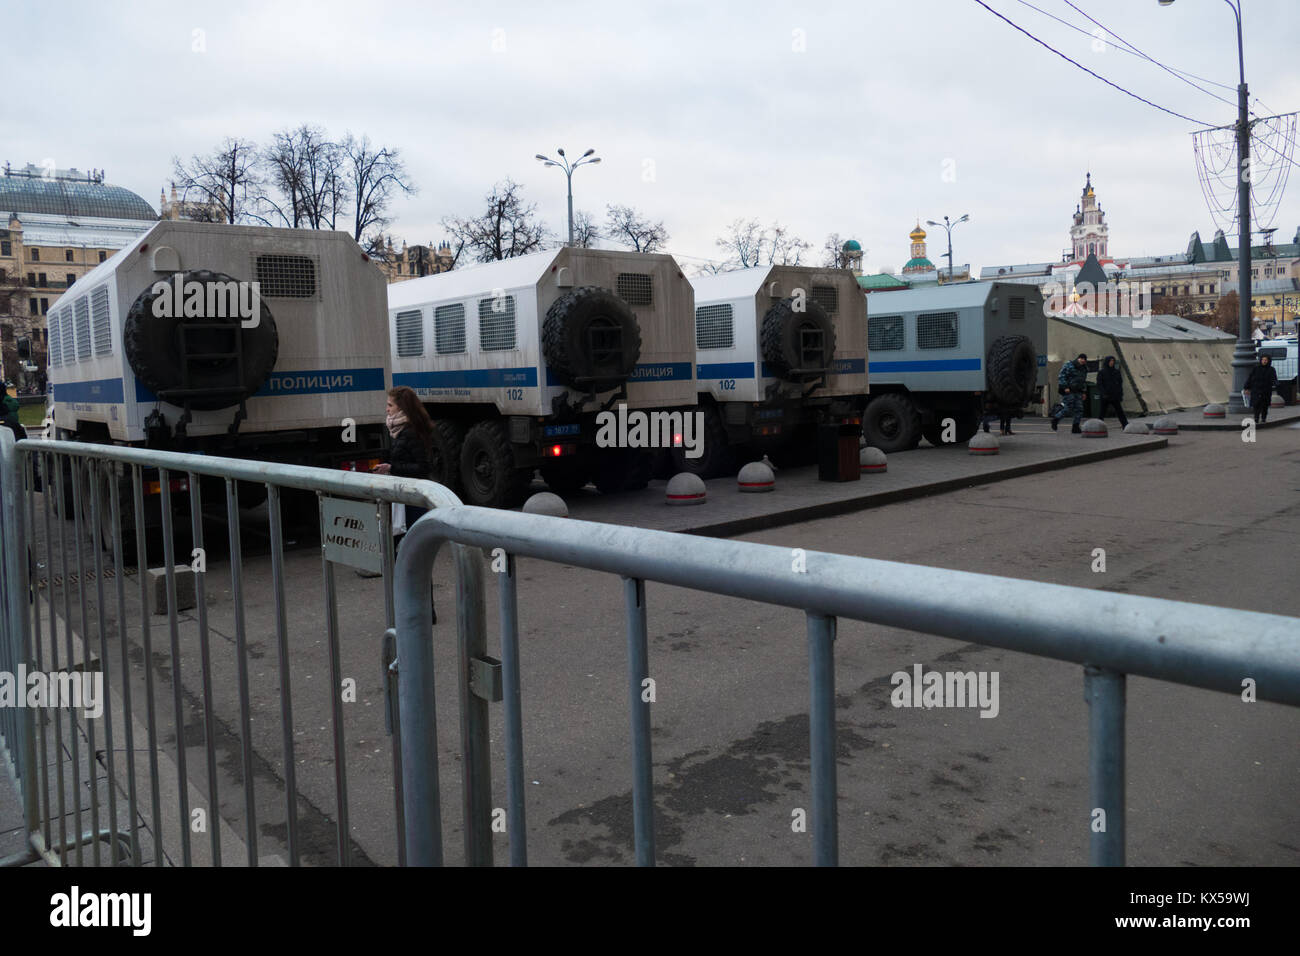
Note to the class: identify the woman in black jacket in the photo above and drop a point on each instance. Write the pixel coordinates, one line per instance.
(410, 428)
(1111, 385)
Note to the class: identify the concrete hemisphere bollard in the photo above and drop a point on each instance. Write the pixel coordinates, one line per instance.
(755, 477)
(1215, 411)
(983, 444)
(872, 461)
(685, 489)
(1095, 428)
(1277, 401)
(546, 503)
(1137, 428)
(1165, 426)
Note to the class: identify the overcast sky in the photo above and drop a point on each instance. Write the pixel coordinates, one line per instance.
(828, 117)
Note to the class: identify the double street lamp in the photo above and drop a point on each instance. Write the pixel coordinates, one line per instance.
(948, 226)
(1243, 357)
(568, 168)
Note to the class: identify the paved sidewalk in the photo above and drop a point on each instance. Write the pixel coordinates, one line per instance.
(1194, 419)
(800, 496)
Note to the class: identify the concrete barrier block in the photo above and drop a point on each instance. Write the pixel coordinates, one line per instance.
(755, 477)
(872, 461)
(1095, 428)
(546, 503)
(685, 489)
(185, 596)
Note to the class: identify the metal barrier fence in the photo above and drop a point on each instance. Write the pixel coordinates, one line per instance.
(73, 768)
(1191, 644)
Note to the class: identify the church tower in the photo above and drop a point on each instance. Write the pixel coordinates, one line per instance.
(1089, 234)
(918, 262)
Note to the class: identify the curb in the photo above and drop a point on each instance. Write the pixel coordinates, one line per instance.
(828, 509)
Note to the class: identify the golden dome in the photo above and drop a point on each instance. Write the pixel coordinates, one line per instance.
(917, 234)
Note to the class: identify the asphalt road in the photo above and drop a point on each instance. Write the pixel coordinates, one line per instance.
(1211, 780)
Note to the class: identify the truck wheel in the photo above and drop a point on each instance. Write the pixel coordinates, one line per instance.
(717, 457)
(891, 423)
(157, 348)
(966, 424)
(591, 339)
(1012, 369)
(488, 473)
(444, 453)
(797, 345)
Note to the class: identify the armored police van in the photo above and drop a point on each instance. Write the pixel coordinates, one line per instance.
(947, 352)
(239, 341)
(515, 360)
(778, 349)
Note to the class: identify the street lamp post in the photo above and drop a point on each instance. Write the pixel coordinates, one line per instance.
(568, 168)
(948, 226)
(1243, 357)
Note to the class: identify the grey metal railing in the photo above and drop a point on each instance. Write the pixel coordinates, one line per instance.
(1193, 644)
(1196, 645)
(60, 759)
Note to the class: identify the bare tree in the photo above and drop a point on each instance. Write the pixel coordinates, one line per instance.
(1226, 315)
(784, 248)
(306, 170)
(506, 228)
(833, 254)
(584, 230)
(373, 176)
(743, 242)
(1179, 305)
(224, 186)
(626, 224)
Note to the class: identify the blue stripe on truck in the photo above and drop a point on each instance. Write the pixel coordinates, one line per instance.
(525, 377)
(653, 372)
(104, 391)
(725, 370)
(929, 365)
(306, 382)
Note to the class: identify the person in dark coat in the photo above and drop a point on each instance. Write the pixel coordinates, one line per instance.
(10, 419)
(411, 431)
(1110, 382)
(1260, 384)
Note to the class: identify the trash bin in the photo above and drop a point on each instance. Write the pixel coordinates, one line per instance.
(1093, 401)
(837, 453)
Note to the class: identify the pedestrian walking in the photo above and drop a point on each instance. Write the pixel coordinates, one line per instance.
(10, 413)
(1260, 384)
(1003, 414)
(1073, 385)
(1111, 385)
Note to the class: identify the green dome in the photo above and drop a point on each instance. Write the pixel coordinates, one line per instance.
(918, 264)
(852, 246)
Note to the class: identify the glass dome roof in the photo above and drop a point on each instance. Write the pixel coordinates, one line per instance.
(64, 197)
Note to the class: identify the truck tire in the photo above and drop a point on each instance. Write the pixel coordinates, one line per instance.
(622, 469)
(153, 347)
(966, 423)
(488, 474)
(891, 423)
(717, 458)
(572, 323)
(445, 442)
(781, 338)
(1012, 370)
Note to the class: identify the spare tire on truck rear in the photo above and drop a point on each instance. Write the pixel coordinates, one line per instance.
(797, 344)
(157, 346)
(590, 339)
(1012, 370)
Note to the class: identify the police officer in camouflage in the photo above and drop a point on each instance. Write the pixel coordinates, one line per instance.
(1073, 385)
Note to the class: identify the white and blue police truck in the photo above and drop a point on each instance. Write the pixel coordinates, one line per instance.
(239, 341)
(515, 359)
(951, 352)
(779, 349)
